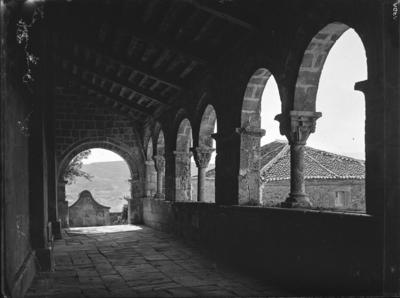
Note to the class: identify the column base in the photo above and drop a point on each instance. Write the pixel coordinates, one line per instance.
(45, 259)
(159, 196)
(297, 201)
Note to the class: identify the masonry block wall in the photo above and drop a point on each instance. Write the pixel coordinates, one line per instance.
(86, 212)
(18, 250)
(326, 252)
(321, 192)
(19, 264)
(80, 119)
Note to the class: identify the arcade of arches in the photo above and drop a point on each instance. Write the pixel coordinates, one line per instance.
(151, 81)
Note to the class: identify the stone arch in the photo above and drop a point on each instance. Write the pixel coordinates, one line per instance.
(184, 136)
(108, 144)
(149, 149)
(183, 161)
(135, 165)
(160, 144)
(250, 136)
(204, 185)
(151, 174)
(251, 106)
(312, 63)
(159, 161)
(207, 124)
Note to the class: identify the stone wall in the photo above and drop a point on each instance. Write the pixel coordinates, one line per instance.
(18, 248)
(85, 213)
(79, 119)
(17, 255)
(321, 193)
(300, 249)
(88, 215)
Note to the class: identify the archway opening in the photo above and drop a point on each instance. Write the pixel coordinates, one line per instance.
(203, 182)
(98, 188)
(261, 104)
(183, 162)
(334, 166)
(273, 144)
(341, 129)
(151, 172)
(159, 160)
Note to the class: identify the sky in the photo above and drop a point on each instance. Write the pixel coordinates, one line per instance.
(101, 155)
(341, 127)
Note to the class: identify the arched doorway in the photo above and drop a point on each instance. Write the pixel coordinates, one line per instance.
(98, 188)
(136, 171)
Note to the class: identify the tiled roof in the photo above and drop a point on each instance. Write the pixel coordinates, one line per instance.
(318, 164)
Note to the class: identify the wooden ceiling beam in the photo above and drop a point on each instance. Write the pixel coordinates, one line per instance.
(221, 15)
(119, 81)
(143, 111)
(137, 66)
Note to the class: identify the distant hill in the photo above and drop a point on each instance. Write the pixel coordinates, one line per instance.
(109, 184)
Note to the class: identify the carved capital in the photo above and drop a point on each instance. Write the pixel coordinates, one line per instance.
(298, 125)
(159, 163)
(202, 156)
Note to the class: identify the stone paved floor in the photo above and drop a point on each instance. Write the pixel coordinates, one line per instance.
(137, 261)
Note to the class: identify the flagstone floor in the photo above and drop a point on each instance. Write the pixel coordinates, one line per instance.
(137, 261)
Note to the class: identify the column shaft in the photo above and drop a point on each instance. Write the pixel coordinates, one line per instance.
(201, 184)
(297, 185)
(159, 162)
(297, 126)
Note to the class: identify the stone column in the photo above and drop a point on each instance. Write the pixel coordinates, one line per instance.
(182, 176)
(135, 202)
(159, 163)
(297, 126)
(150, 183)
(374, 151)
(249, 172)
(62, 204)
(202, 156)
(226, 167)
(169, 187)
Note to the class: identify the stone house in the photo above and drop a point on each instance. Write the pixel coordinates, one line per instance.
(332, 181)
(86, 212)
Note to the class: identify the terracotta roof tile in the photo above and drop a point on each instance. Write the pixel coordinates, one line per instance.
(319, 164)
